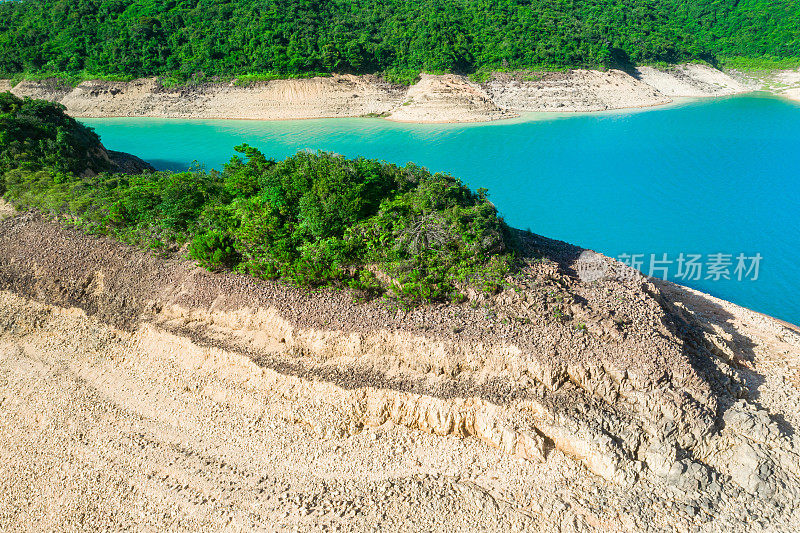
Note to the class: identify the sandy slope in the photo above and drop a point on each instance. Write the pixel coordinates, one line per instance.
(146, 393)
(447, 98)
(690, 80)
(571, 91)
(435, 98)
(781, 82)
(792, 94)
(788, 83)
(279, 99)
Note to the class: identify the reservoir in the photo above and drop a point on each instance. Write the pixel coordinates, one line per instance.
(712, 184)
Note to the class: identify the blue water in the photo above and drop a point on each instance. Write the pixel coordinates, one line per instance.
(707, 177)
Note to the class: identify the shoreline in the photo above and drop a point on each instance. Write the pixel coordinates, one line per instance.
(524, 116)
(751, 315)
(434, 99)
(782, 83)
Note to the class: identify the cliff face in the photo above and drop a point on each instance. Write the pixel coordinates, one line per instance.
(434, 98)
(613, 404)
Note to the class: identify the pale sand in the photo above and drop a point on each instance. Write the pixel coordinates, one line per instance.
(333, 96)
(435, 98)
(447, 98)
(792, 94)
(785, 83)
(572, 91)
(691, 80)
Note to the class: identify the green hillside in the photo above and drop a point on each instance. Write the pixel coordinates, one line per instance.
(185, 38)
(313, 219)
(35, 134)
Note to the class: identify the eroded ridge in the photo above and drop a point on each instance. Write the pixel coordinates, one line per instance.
(607, 405)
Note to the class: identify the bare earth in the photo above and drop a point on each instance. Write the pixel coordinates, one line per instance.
(434, 98)
(148, 394)
(781, 82)
(447, 98)
(575, 90)
(690, 80)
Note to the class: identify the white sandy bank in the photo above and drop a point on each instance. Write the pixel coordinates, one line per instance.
(572, 91)
(448, 98)
(784, 83)
(434, 98)
(690, 80)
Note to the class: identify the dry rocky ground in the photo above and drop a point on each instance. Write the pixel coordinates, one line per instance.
(434, 98)
(145, 393)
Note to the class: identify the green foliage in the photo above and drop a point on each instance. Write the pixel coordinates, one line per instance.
(760, 63)
(260, 39)
(214, 250)
(402, 76)
(481, 76)
(313, 219)
(35, 134)
(319, 219)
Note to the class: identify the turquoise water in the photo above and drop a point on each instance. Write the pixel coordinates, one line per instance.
(707, 177)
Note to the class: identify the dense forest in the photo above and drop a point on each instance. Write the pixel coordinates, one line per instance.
(181, 39)
(313, 219)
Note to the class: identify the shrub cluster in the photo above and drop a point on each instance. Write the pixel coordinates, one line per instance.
(313, 219)
(35, 134)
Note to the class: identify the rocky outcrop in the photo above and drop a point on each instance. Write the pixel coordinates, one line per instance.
(128, 163)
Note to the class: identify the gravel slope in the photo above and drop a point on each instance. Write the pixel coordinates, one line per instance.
(147, 394)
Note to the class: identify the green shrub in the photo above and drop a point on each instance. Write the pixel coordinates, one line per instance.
(312, 219)
(401, 76)
(214, 250)
(35, 134)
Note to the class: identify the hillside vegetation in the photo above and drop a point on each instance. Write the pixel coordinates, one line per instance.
(313, 219)
(36, 134)
(183, 39)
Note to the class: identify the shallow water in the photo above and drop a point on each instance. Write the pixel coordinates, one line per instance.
(705, 177)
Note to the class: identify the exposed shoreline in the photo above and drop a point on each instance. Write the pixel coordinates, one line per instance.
(784, 83)
(445, 98)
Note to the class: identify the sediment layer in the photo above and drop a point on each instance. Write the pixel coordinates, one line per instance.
(202, 399)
